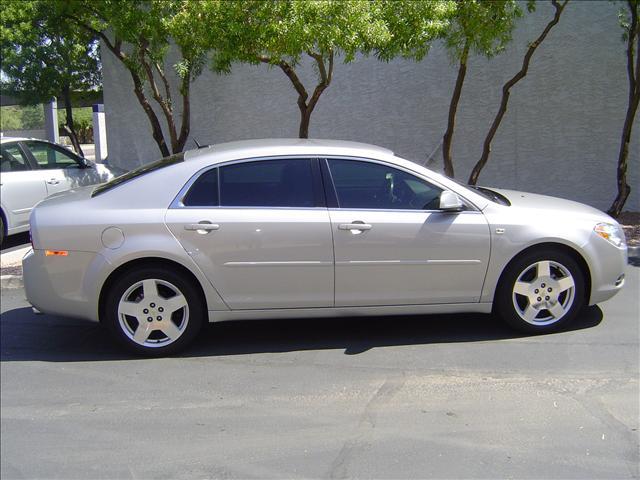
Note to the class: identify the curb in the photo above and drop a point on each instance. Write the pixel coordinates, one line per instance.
(11, 281)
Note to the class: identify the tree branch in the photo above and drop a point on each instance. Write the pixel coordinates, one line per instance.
(506, 91)
(157, 96)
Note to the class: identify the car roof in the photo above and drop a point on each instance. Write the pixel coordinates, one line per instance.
(13, 139)
(284, 146)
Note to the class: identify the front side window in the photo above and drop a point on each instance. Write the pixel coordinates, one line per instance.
(49, 157)
(12, 159)
(369, 185)
(267, 183)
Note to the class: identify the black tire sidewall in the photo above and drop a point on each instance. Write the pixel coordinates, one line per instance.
(197, 311)
(504, 302)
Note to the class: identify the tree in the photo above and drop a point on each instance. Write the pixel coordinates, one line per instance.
(139, 33)
(42, 58)
(631, 35)
(480, 28)
(506, 90)
(282, 34)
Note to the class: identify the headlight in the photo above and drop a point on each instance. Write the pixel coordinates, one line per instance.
(612, 233)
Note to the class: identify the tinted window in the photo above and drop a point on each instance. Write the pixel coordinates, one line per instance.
(269, 183)
(12, 159)
(144, 169)
(204, 191)
(372, 185)
(48, 157)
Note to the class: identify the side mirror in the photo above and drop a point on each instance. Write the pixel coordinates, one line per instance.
(450, 202)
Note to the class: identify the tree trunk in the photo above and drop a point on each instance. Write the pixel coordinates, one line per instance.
(447, 140)
(506, 92)
(633, 70)
(69, 126)
(305, 118)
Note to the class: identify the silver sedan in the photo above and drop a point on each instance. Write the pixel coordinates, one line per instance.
(307, 228)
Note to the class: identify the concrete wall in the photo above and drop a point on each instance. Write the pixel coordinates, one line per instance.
(560, 136)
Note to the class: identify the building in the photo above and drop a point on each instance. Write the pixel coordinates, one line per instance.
(560, 136)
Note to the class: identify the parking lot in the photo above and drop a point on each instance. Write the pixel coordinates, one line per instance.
(394, 397)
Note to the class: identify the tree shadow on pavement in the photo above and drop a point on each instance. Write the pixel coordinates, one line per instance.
(26, 336)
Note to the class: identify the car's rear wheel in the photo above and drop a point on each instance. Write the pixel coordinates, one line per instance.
(541, 291)
(154, 312)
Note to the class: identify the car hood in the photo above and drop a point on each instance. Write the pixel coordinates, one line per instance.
(534, 202)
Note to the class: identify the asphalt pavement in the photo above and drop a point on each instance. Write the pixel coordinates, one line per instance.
(447, 396)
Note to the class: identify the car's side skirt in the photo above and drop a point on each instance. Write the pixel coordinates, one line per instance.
(383, 310)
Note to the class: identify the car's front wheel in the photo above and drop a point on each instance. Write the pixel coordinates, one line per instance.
(154, 312)
(541, 291)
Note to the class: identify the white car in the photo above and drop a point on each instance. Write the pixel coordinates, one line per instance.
(31, 170)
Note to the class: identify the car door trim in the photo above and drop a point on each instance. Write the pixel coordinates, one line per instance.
(307, 263)
(408, 262)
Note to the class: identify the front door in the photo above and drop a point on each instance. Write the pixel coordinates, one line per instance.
(60, 169)
(260, 233)
(393, 246)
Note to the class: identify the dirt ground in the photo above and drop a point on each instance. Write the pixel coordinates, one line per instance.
(630, 221)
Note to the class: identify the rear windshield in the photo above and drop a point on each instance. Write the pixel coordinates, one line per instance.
(146, 168)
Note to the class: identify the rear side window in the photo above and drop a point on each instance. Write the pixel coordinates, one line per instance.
(144, 169)
(204, 191)
(267, 183)
(12, 159)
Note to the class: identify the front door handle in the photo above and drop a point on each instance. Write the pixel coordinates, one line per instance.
(355, 227)
(201, 227)
(53, 181)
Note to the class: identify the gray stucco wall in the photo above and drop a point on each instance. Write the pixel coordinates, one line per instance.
(560, 136)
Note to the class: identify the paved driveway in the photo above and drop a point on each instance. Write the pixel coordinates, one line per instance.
(402, 397)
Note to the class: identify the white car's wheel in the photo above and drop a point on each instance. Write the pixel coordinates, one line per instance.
(154, 311)
(541, 291)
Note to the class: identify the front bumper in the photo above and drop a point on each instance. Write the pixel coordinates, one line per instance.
(58, 285)
(608, 264)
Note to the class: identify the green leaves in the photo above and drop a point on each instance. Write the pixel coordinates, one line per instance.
(484, 27)
(41, 55)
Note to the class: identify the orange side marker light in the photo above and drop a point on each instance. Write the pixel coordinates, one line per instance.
(56, 253)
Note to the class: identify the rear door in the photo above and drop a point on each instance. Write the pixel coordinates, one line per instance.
(260, 232)
(392, 244)
(20, 186)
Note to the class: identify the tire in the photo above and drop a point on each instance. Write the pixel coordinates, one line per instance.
(165, 323)
(541, 291)
(1, 229)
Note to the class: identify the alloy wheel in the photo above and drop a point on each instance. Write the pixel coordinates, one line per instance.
(153, 313)
(543, 292)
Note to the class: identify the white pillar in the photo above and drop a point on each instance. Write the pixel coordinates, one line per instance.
(51, 120)
(99, 132)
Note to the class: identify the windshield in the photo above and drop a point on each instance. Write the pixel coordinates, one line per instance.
(144, 169)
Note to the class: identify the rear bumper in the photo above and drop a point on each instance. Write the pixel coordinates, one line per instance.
(58, 285)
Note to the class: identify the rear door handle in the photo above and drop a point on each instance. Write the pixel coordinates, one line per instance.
(206, 227)
(355, 226)
(53, 181)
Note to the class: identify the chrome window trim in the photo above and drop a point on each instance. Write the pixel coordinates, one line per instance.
(177, 201)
